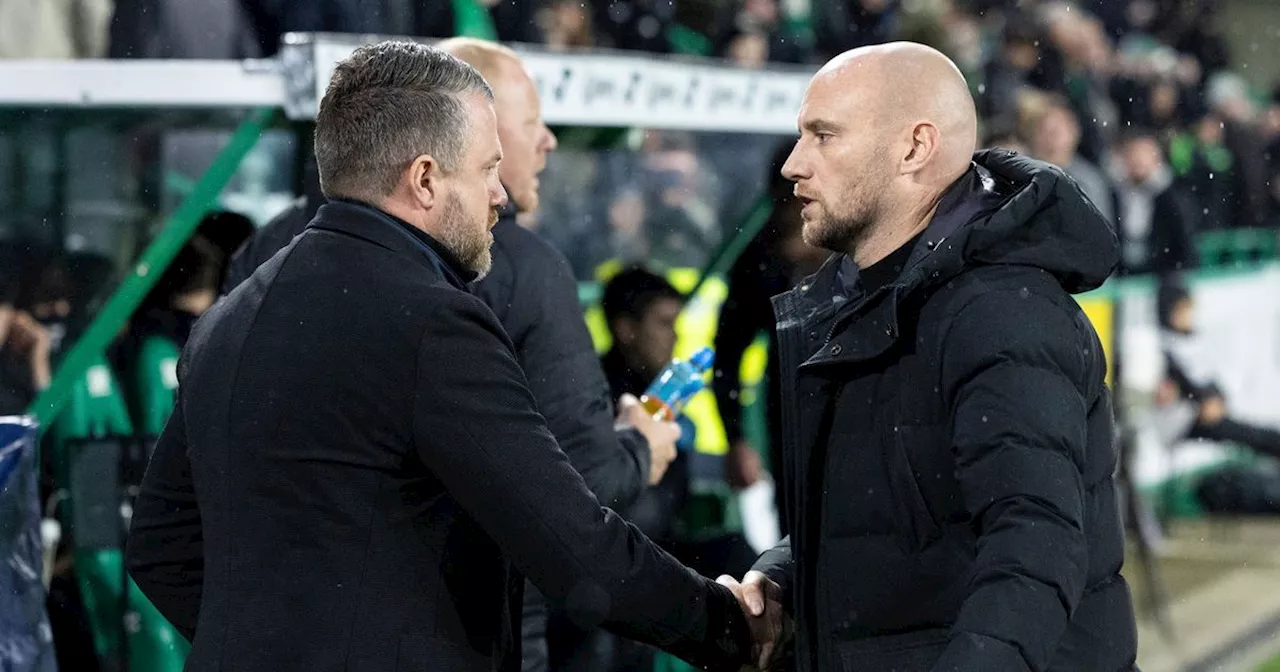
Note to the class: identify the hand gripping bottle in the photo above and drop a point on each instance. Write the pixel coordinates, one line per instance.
(676, 385)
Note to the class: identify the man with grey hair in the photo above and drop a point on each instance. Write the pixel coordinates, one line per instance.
(355, 469)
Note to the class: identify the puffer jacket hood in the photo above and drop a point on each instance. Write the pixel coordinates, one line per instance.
(1047, 222)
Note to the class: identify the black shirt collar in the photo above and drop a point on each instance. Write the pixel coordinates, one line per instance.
(966, 200)
(456, 272)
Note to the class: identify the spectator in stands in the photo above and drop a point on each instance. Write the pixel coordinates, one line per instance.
(846, 24)
(1205, 171)
(1026, 58)
(269, 19)
(680, 217)
(54, 30)
(1190, 380)
(188, 288)
(25, 350)
(628, 238)
(1087, 61)
(1271, 126)
(1055, 139)
(1231, 105)
(566, 24)
(209, 29)
(47, 294)
(633, 24)
(226, 231)
(751, 34)
(1156, 224)
(1005, 137)
(641, 309)
(775, 260)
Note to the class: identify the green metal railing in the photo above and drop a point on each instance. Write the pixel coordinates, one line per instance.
(149, 267)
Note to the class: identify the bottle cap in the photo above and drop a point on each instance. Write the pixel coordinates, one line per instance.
(703, 359)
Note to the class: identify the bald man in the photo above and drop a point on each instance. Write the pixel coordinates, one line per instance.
(534, 294)
(948, 428)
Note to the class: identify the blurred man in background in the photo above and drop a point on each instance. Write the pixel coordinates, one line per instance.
(1191, 380)
(532, 291)
(1156, 222)
(641, 309)
(775, 261)
(25, 347)
(1056, 140)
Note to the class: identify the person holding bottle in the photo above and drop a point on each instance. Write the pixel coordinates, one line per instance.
(641, 309)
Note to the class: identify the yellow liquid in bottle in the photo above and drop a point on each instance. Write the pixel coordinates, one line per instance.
(657, 408)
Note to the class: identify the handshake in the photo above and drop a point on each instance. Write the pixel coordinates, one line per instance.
(761, 602)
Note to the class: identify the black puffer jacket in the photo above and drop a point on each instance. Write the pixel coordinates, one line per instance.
(950, 450)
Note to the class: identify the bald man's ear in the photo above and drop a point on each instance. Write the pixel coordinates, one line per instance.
(925, 143)
(424, 177)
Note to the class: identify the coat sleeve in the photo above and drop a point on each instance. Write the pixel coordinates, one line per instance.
(165, 550)
(537, 303)
(476, 428)
(779, 565)
(1017, 368)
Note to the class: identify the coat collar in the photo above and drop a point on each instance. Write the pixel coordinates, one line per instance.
(872, 320)
(368, 223)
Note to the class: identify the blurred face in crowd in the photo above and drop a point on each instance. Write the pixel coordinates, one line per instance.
(1183, 316)
(1142, 159)
(626, 213)
(650, 342)
(749, 50)
(469, 197)
(526, 140)
(1057, 136)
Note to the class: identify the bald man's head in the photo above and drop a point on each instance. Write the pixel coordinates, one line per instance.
(526, 141)
(884, 130)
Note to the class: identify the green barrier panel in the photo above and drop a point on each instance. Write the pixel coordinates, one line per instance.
(151, 264)
(156, 383)
(95, 409)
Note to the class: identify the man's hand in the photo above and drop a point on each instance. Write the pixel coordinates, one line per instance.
(761, 601)
(33, 339)
(742, 466)
(661, 436)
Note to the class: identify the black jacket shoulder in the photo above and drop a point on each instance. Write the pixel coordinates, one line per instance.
(532, 290)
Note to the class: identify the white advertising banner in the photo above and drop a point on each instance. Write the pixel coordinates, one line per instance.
(612, 89)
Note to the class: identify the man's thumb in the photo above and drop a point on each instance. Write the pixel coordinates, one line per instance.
(754, 598)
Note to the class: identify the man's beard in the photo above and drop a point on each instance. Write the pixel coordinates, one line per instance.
(465, 239)
(845, 232)
(839, 234)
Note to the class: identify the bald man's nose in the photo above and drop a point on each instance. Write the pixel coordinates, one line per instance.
(791, 168)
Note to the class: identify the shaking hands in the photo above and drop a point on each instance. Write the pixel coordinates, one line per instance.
(761, 601)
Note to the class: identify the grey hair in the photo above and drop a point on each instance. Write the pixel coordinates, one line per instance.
(387, 104)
